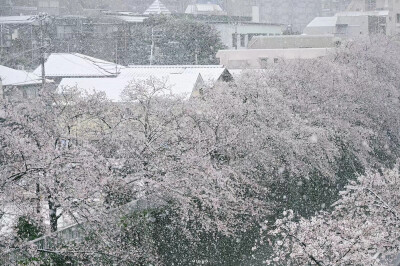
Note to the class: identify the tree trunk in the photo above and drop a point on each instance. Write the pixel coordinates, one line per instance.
(53, 215)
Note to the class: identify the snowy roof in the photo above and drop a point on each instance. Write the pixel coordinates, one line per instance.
(363, 13)
(157, 8)
(78, 65)
(132, 19)
(14, 77)
(323, 22)
(204, 8)
(181, 85)
(209, 73)
(18, 19)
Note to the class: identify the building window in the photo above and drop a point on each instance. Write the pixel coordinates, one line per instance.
(250, 36)
(370, 5)
(234, 40)
(398, 18)
(263, 62)
(242, 40)
(341, 28)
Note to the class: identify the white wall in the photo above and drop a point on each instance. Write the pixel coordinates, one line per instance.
(226, 31)
(260, 58)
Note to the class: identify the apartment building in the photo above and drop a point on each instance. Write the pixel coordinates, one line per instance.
(295, 13)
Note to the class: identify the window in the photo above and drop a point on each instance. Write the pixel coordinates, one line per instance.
(242, 40)
(234, 40)
(370, 5)
(250, 35)
(341, 28)
(263, 62)
(398, 18)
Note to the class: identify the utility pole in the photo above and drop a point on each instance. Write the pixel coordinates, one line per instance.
(196, 54)
(116, 56)
(42, 17)
(152, 46)
(1, 40)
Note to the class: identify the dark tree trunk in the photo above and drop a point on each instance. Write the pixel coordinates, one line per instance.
(53, 215)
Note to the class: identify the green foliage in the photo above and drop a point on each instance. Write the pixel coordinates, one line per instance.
(27, 229)
(176, 41)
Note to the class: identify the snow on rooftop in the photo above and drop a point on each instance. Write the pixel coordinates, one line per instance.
(323, 22)
(132, 19)
(209, 73)
(78, 65)
(182, 85)
(203, 8)
(14, 77)
(157, 8)
(363, 13)
(18, 19)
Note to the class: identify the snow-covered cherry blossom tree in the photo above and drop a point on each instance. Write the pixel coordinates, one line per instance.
(362, 229)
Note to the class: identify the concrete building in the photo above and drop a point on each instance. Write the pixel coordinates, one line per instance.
(361, 18)
(391, 25)
(205, 9)
(331, 7)
(261, 58)
(237, 35)
(293, 41)
(295, 13)
(264, 51)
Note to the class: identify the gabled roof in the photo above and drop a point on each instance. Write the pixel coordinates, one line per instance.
(204, 9)
(14, 77)
(157, 8)
(182, 85)
(209, 73)
(78, 65)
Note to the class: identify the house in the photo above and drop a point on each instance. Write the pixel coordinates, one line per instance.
(16, 27)
(19, 83)
(211, 74)
(75, 65)
(178, 84)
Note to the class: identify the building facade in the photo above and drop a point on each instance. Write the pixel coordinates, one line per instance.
(362, 17)
(391, 23)
(237, 35)
(295, 13)
(266, 50)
